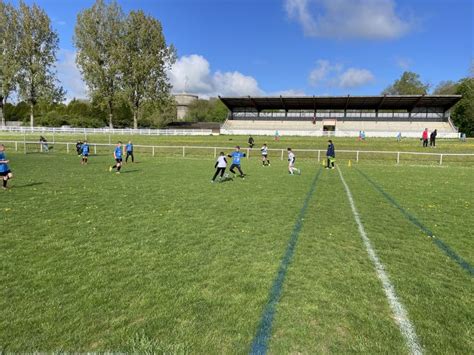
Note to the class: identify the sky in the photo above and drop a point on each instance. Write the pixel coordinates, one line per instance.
(293, 47)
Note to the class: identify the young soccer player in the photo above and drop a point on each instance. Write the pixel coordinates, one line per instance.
(129, 149)
(117, 157)
(85, 152)
(221, 164)
(79, 148)
(265, 160)
(5, 172)
(236, 156)
(291, 163)
(330, 155)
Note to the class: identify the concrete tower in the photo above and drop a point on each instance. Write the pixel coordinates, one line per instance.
(182, 104)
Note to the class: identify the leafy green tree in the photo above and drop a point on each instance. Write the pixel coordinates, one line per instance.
(37, 47)
(448, 87)
(98, 36)
(408, 84)
(463, 111)
(9, 65)
(212, 110)
(145, 58)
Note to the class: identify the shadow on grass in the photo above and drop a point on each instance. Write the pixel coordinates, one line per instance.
(128, 171)
(28, 185)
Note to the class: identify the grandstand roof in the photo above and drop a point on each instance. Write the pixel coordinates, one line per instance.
(382, 102)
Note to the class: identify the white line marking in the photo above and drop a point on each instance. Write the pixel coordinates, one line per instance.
(401, 317)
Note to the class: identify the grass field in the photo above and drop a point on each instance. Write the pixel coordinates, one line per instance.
(159, 259)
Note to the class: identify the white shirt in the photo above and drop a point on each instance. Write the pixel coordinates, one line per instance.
(264, 150)
(291, 157)
(221, 162)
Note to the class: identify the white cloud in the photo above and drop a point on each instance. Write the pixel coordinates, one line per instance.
(368, 19)
(403, 62)
(354, 77)
(326, 73)
(70, 76)
(193, 74)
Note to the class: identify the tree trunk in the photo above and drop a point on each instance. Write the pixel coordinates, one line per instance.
(2, 116)
(135, 119)
(32, 115)
(111, 115)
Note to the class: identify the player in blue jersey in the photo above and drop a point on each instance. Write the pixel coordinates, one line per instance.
(5, 173)
(129, 150)
(117, 157)
(236, 156)
(85, 152)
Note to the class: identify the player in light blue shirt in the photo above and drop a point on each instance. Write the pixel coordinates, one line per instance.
(236, 156)
(85, 152)
(117, 157)
(5, 172)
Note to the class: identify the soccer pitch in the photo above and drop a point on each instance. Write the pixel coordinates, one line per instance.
(159, 259)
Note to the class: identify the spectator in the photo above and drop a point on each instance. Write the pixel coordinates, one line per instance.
(433, 138)
(277, 136)
(251, 142)
(44, 143)
(399, 136)
(330, 155)
(424, 137)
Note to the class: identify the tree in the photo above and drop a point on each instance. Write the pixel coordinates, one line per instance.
(212, 110)
(9, 65)
(97, 37)
(448, 87)
(463, 111)
(37, 47)
(145, 58)
(408, 84)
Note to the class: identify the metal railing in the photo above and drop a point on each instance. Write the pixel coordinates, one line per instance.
(183, 151)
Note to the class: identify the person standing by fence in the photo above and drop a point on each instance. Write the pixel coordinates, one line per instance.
(433, 138)
(424, 137)
(129, 150)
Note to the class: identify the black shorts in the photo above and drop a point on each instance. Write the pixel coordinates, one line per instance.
(118, 160)
(85, 155)
(5, 173)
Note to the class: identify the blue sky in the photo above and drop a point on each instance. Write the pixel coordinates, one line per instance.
(312, 47)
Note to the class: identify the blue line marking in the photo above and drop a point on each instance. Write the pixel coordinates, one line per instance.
(438, 242)
(260, 341)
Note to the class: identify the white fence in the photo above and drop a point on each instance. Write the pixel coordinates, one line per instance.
(318, 154)
(337, 133)
(121, 131)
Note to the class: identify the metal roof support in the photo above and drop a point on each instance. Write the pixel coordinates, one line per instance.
(381, 102)
(416, 103)
(254, 104)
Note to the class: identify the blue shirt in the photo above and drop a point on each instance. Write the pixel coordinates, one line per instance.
(330, 152)
(118, 152)
(129, 147)
(85, 149)
(3, 166)
(236, 156)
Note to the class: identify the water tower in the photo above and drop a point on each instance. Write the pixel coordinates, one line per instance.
(182, 104)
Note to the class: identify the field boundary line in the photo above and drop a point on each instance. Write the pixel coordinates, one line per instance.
(445, 248)
(262, 336)
(401, 316)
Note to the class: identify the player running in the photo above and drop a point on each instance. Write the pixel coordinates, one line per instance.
(129, 150)
(265, 160)
(221, 164)
(5, 172)
(85, 152)
(291, 163)
(236, 156)
(117, 157)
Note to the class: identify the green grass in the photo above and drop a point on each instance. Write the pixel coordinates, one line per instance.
(158, 259)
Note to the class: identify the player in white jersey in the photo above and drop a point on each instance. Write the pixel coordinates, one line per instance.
(265, 160)
(291, 163)
(221, 165)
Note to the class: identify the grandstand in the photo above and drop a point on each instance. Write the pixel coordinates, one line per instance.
(377, 116)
